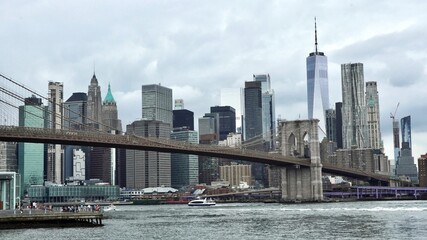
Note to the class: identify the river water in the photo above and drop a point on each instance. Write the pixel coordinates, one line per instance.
(344, 220)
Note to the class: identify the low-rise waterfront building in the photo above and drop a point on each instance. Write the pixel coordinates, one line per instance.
(73, 193)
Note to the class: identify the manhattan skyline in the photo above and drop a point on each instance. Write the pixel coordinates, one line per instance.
(175, 44)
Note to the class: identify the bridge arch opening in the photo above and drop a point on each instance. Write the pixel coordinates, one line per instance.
(306, 140)
(293, 145)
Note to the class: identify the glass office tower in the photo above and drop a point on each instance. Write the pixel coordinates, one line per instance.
(317, 84)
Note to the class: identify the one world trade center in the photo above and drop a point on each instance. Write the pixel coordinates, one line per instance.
(317, 84)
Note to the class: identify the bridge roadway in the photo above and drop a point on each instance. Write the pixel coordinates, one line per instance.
(99, 139)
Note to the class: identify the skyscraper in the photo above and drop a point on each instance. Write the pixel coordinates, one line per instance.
(268, 111)
(253, 110)
(94, 104)
(372, 102)
(31, 155)
(110, 116)
(405, 166)
(209, 125)
(55, 152)
(317, 83)
(354, 120)
(257, 106)
(100, 164)
(331, 125)
(208, 134)
(227, 120)
(113, 125)
(183, 118)
(75, 113)
(157, 103)
(184, 167)
(338, 114)
(406, 132)
(148, 168)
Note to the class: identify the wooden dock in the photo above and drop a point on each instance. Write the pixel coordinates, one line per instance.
(13, 219)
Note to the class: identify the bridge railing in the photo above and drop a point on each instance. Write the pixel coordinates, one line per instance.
(92, 136)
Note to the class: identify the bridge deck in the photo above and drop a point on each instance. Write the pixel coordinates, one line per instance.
(86, 138)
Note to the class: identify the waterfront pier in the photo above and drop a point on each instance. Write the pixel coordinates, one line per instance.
(14, 219)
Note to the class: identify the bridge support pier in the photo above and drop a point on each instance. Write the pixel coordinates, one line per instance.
(300, 183)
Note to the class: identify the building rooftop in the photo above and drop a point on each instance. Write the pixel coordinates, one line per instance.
(77, 96)
(159, 190)
(94, 80)
(109, 97)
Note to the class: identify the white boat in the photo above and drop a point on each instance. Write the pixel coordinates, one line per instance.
(202, 202)
(110, 208)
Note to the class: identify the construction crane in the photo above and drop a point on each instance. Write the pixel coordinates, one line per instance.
(392, 116)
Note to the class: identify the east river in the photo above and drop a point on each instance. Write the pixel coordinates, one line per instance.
(343, 220)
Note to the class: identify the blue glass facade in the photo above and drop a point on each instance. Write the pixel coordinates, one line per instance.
(317, 86)
(31, 155)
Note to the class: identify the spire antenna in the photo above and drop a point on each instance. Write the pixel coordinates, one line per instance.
(315, 34)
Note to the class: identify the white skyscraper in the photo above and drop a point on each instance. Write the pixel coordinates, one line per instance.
(372, 102)
(317, 84)
(55, 152)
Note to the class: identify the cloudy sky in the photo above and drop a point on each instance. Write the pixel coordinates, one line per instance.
(198, 47)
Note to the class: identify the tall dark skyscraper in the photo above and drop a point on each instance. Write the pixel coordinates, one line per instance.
(227, 120)
(317, 83)
(253, 128)
(331, 125)
(253, 110)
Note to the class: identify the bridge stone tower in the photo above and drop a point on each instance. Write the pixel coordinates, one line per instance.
(300, 139)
